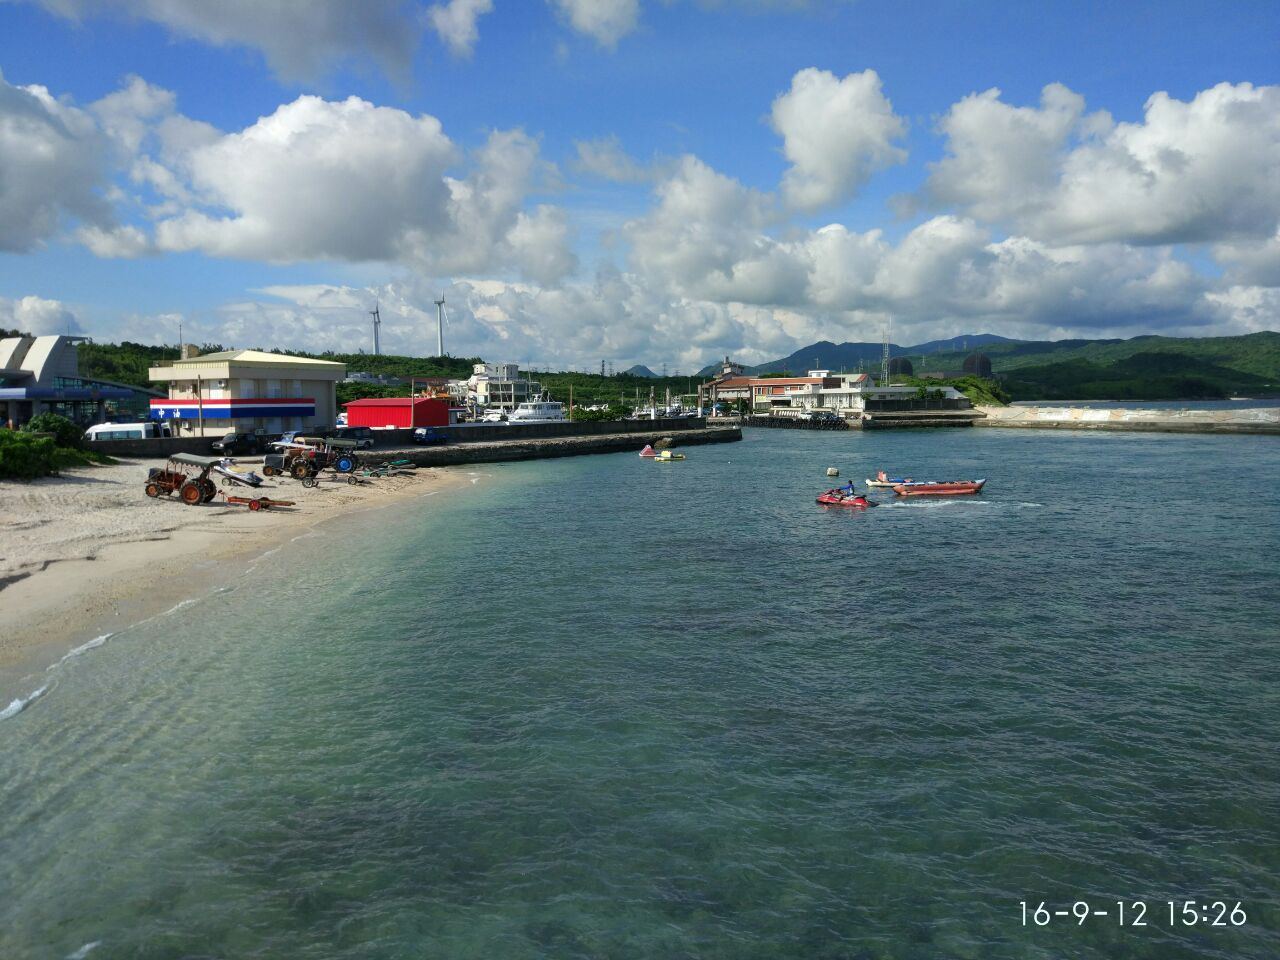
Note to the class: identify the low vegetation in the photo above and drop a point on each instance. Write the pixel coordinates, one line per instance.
(981, 392)
(46, 444)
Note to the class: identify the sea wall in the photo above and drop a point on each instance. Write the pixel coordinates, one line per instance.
(538, 448)
(1263, 420)
(393, 439)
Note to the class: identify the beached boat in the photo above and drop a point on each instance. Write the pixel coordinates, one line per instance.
(834, 498)
(946, 488)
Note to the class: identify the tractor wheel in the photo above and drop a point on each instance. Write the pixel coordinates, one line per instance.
(209, 489)
(345, 464)
(152, 490)
(191, 493)
(268, 471)
(300, 470)
(255, 505)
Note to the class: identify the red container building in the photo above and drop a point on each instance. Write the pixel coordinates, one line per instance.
(401, 412)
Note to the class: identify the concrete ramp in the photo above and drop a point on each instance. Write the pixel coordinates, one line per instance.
(1263, 420)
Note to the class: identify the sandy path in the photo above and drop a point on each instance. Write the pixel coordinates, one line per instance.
(89, 552)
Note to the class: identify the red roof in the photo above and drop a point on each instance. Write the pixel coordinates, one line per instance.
(388, 401)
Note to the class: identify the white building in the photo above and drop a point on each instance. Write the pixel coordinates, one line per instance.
(247, 391)
(42, 375)
(499, 386)
(845, 394)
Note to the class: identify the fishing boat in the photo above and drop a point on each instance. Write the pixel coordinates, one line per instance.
(666, 456)
(834, 498)
(537, 411)
(946, 488)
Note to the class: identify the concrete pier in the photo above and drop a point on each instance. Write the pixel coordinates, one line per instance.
(1256, 420)
(502, 451)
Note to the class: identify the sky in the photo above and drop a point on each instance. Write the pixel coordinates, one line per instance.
(665, 182)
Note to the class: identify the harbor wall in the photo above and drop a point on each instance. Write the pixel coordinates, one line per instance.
(539, 448)
(1257, 420)
(394, 439)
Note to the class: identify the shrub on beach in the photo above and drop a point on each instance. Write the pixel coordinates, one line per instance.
(65, 432)
(29, 455)
(25, 457)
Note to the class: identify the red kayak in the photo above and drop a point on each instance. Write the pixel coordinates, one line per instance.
(945, 488)
(834, 498)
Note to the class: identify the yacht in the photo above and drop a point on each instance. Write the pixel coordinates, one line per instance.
(538, 411)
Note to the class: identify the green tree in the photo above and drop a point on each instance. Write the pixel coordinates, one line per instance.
(65, 432)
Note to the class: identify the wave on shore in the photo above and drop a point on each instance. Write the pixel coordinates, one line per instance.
(19, 704)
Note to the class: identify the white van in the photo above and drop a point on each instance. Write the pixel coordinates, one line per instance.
(142, 430)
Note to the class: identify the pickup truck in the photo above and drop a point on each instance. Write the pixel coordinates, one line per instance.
(237, 444)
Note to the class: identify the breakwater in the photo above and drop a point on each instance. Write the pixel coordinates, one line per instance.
(795, 423)
(1257, 420)
(539, 448)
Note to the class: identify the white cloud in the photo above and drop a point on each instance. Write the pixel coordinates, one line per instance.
(1195, 172)
(456, 23)
(606, 21)
(52, 161)
(1253, 262)
(606, 159)
(704, 237)
(124, 242)
(836, 134)
(352, 181)
(39, 317)
(299, 40)
(1002, 160)
(1247, 309)
(315, 180)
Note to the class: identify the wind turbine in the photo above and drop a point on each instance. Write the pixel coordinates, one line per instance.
(377, 322)
(440, 325)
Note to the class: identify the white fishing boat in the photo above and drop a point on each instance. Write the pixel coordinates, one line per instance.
(538, 411)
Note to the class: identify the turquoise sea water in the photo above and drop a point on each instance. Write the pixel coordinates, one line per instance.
(603, 707)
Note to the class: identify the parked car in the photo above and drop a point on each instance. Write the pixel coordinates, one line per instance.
(429, 435)
(237, 444)
(363, 436)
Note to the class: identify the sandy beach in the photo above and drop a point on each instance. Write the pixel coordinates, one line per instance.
(87, 552)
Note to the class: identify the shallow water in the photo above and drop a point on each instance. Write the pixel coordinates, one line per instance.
(602, 707)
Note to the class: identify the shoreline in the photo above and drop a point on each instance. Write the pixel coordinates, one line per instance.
(86, 554)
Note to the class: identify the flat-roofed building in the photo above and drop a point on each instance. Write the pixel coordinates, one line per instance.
(247, 391)
(42, 375)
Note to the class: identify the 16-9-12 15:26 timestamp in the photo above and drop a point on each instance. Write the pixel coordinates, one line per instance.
(1138, 913)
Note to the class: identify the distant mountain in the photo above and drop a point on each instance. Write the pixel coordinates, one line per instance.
(1147, 366)
(825, 355)
(968, 341)
(639, 370)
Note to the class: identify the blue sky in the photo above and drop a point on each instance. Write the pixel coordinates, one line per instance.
(633, 181)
